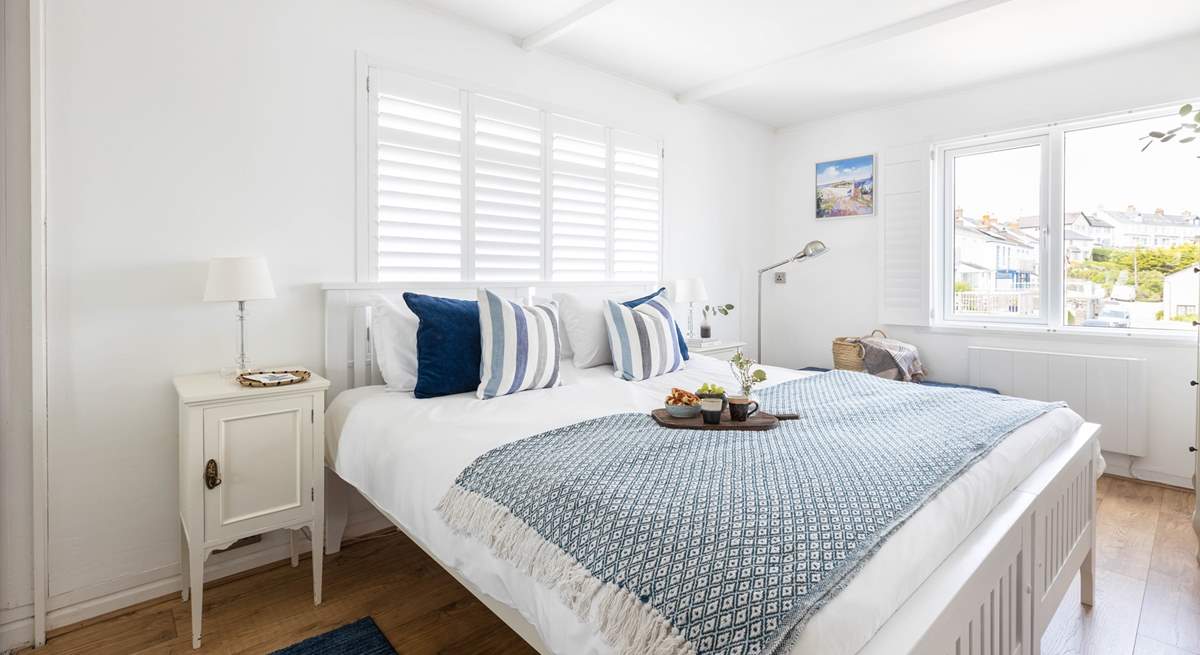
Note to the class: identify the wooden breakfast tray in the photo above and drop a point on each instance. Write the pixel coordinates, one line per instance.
(758, 421)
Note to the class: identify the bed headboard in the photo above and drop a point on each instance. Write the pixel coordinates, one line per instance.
(349, 360)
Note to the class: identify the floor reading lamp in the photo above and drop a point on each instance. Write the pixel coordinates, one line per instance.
(811, 249)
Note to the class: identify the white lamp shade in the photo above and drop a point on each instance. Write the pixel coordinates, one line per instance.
(238, 278)
(690, 289)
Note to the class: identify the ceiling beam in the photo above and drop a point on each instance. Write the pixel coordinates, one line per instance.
(906, 26)
(563, 25)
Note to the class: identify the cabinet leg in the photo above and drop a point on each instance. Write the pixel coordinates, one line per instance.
(196, 576)
(318, 555)
(292, 539)
(183, 564)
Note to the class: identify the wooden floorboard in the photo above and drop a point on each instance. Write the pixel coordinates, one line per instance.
(1147, 597)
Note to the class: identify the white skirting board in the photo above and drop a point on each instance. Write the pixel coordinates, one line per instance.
(1119, 465)
(16, 625)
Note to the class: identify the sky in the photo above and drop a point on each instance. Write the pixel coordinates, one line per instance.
(1104, 168)
(855, 168)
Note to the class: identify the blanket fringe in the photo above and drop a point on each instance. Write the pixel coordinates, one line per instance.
(625, 622)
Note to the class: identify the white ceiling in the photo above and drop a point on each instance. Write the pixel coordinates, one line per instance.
(782, 62)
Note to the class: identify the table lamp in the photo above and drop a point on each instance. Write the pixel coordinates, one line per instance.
(238, 279)
(690, 290)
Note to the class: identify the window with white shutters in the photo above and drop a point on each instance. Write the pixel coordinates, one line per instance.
(508, 191)
(418, 226)
(467, 186)
(637, 207)
(579, 200)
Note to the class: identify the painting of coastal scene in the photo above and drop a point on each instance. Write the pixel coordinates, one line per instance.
(846, 187)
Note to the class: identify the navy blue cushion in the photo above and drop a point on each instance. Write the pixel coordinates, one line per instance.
(678, 333)
(448, 349)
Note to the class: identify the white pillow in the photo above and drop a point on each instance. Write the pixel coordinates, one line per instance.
(584, 333)
(394, 336)
(564, 348)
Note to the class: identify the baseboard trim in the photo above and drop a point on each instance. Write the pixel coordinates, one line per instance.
(18, 632)
(1124, 466)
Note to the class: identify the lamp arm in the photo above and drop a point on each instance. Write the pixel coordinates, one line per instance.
(776, 265)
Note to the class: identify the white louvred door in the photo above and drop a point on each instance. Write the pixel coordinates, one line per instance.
(508, 181)
(579, 200)
(418, 216)
(637, 207)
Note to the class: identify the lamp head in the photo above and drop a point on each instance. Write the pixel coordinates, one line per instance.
(811, 249)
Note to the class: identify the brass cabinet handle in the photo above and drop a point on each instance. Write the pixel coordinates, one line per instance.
(212, 476)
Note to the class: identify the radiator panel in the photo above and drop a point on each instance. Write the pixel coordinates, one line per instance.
(1110, 391)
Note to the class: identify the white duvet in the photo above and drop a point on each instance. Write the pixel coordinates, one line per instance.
(403, 454)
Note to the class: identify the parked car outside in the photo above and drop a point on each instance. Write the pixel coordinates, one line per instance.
(1110, 316)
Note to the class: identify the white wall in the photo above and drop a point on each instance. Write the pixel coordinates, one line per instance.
(179, 131)
(837, 294)
(16, 499)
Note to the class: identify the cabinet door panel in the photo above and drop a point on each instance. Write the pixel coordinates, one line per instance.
(263, 451)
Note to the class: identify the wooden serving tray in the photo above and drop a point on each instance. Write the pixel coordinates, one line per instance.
(760, 420)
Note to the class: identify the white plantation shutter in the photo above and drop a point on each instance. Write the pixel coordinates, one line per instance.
(466, 186)
(579, 200)
(419, 154)
(637, 207)
(904, 240)
(508, 191)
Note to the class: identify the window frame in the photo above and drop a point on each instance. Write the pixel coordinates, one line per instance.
(366, 174)
(946, 227)
(1053, 280)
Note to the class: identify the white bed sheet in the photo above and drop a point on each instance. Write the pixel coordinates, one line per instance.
(404, 453)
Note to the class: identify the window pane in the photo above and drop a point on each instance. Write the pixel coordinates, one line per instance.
(997, 233)
(1129, 235)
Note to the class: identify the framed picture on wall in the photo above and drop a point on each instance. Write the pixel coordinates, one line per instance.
(846, 187)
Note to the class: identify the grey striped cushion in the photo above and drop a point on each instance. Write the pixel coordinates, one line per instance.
(642, 339)
(520, 347)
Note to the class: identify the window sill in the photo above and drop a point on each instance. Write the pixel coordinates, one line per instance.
(1167, 338)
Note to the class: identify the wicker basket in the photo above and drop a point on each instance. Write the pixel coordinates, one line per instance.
(848, 352)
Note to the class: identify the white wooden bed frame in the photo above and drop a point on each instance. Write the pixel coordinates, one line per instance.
(995, 594)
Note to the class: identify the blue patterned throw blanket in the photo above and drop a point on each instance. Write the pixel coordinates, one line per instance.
(693, 541)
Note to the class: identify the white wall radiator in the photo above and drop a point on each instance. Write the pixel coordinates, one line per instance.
(1110, 391)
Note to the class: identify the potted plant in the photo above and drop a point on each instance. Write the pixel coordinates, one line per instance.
(744, 372)
(712, 310)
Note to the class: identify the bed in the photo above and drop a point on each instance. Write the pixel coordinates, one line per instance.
(979, 569)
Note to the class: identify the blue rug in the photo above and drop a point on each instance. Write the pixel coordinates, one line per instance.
(361, 638)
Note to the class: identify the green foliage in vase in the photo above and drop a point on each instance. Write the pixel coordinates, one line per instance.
(713, 310)
(745, 373)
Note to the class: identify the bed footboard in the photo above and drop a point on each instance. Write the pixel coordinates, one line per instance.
(1064, 536)
(998, 591)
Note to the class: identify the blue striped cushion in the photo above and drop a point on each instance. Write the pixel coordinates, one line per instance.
(519, 346)
(642, 339)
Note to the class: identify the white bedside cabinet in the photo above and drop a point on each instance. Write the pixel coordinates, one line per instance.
(721, 349)
(251, 460)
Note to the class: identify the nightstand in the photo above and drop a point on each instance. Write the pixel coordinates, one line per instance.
(721, 349)
(251, 460)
